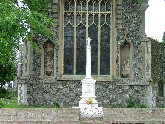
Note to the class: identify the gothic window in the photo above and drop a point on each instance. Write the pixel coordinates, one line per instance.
(83, 19)
(48, 58)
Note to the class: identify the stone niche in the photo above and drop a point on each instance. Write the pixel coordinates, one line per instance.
(125, 60)
(48, 48)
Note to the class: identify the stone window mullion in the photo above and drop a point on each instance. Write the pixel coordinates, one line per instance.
(81, 19)
(75, 41)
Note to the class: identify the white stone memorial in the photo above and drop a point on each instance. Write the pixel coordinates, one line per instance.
(88, 104)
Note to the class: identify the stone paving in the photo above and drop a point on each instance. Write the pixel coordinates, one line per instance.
(71, 116)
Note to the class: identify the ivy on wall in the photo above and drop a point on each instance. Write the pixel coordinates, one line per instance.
(158, 60)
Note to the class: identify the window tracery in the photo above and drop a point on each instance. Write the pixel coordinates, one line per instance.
(82, 19)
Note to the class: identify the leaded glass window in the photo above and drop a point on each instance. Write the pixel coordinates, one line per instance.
(82, 19)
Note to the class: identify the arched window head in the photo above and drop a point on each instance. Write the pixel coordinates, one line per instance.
(79, 23)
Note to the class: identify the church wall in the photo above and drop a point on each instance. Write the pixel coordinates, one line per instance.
(158, 71)
(47, 90)
(67, 94)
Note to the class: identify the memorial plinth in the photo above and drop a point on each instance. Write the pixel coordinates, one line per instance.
(88, 104)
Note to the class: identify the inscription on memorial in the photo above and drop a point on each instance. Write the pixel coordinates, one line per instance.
(88, 88)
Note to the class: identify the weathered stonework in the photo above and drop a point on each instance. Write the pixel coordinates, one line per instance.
(68, 93)
(158, 71)
(129, 27)
(71, 116)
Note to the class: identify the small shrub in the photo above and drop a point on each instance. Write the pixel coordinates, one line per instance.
(56, 105)
(114, 106)
(1, 103)
(142, 106)
(131, 103)
(7, 99)
(3, 92)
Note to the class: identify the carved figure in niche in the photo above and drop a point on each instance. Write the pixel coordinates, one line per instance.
(125, 69)
(48, 58)
(125, 60)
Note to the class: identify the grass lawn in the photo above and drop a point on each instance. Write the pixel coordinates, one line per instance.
(12, 103)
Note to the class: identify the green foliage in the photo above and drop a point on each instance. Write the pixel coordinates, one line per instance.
(10, 103)
(153, 122)
(7, 99)
(3, 92)
(115, 106)
(18, 23)
(139, 1)
(6, 94)
(8, 72)
(56, 105)
(131, 103)
(42, 5)
(1, 102)
(163, 39)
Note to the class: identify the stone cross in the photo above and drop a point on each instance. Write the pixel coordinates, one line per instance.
(89, 40)
(88, 58)
(88, 90)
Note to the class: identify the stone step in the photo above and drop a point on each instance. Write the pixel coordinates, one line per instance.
(35, 122)
(72, 116)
